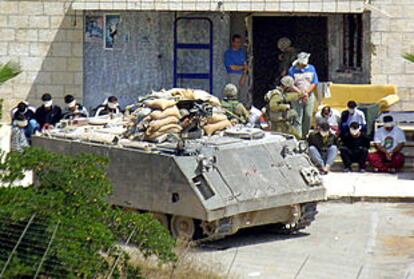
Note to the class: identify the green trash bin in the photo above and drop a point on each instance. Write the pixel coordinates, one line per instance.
(371, 112)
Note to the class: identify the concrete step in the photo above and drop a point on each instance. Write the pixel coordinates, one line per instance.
(408, 165)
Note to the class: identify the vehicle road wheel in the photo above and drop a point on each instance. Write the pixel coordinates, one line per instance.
(182, 227)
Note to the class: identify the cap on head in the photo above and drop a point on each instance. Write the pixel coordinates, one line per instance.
(324, 126)
(284, 43)
(287, 81)
(354, 125)
(230, 91)
(352, 104)
(303, 59)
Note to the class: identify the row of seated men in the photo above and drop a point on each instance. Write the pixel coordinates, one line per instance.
(344, 133)
(27, 120)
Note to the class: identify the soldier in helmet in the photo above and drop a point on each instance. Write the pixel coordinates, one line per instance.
(235, 109)
(283, 119)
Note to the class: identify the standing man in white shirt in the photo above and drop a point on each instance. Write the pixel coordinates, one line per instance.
(389, 140)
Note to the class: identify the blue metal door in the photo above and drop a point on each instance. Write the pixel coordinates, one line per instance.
(186, 69)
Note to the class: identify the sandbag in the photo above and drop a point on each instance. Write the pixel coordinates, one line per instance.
(184, 94)
(205, 96)
(164, 129)
(161, 104)
(210, 129)
(155, 125)
(160, 114)
(216, 117)
(173, 129)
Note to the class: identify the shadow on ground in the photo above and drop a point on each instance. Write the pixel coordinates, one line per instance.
(247, 237)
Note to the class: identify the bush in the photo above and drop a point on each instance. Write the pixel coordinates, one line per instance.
(72, 191)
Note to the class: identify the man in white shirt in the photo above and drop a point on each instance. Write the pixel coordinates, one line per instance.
(389, 140)
(352, 114)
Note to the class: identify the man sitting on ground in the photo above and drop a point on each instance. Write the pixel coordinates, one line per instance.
(323, 147)
(19, 141)
(352, 114)
(28, 112)
(354, 149)
(389, 140)
(47, 115)
(73, 109)
(109, 106)
(327, 114)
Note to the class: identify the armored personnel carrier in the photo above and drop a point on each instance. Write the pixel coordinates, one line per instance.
(209, 187)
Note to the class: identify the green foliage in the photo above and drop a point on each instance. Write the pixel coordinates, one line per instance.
(409, 57)
(9, 71)
(73, 191)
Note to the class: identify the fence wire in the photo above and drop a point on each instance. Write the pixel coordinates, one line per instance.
(30, 241)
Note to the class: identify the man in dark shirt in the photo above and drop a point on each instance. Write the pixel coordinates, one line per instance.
(323, 147)
(48, 115)
(73, 109)
(109, 106)
(23, 109)
(355, 148)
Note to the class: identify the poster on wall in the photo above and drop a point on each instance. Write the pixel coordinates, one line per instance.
(111, 30)
(94, 28)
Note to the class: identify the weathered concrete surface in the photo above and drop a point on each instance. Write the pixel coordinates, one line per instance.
(361, 240)
(369, 185)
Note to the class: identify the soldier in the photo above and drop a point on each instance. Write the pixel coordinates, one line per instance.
(283, 119)
(235, 109)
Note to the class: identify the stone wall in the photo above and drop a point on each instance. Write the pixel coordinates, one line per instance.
(392, 36)
(45, 37)
(141, 59)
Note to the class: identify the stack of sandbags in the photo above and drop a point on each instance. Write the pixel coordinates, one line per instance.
(216, 123)
(190, 94)
(163, 120)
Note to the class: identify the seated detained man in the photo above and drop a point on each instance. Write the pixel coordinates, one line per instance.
(354, 148)
(73, 109)
(389, 140)
(352, 114)
(323, 147)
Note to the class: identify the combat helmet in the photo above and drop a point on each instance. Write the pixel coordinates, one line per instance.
(230, 91)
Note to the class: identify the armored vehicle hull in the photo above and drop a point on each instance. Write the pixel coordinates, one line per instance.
(213, 186)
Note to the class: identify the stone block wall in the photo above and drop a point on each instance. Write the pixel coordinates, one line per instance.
(45, 37)
(392, 34)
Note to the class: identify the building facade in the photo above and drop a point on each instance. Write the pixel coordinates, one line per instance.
(93, 49)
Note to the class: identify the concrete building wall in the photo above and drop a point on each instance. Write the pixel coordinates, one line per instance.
(391, 36)
(45, 37)
(142, 57)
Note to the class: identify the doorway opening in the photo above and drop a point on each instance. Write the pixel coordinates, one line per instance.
(307, 33)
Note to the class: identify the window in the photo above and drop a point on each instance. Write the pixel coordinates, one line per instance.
(352, 42)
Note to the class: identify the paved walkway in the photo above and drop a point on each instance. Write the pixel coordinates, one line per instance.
(346, 241)
(369, 185)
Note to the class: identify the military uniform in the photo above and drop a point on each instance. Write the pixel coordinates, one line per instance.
(282, 117)
(236, 110)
